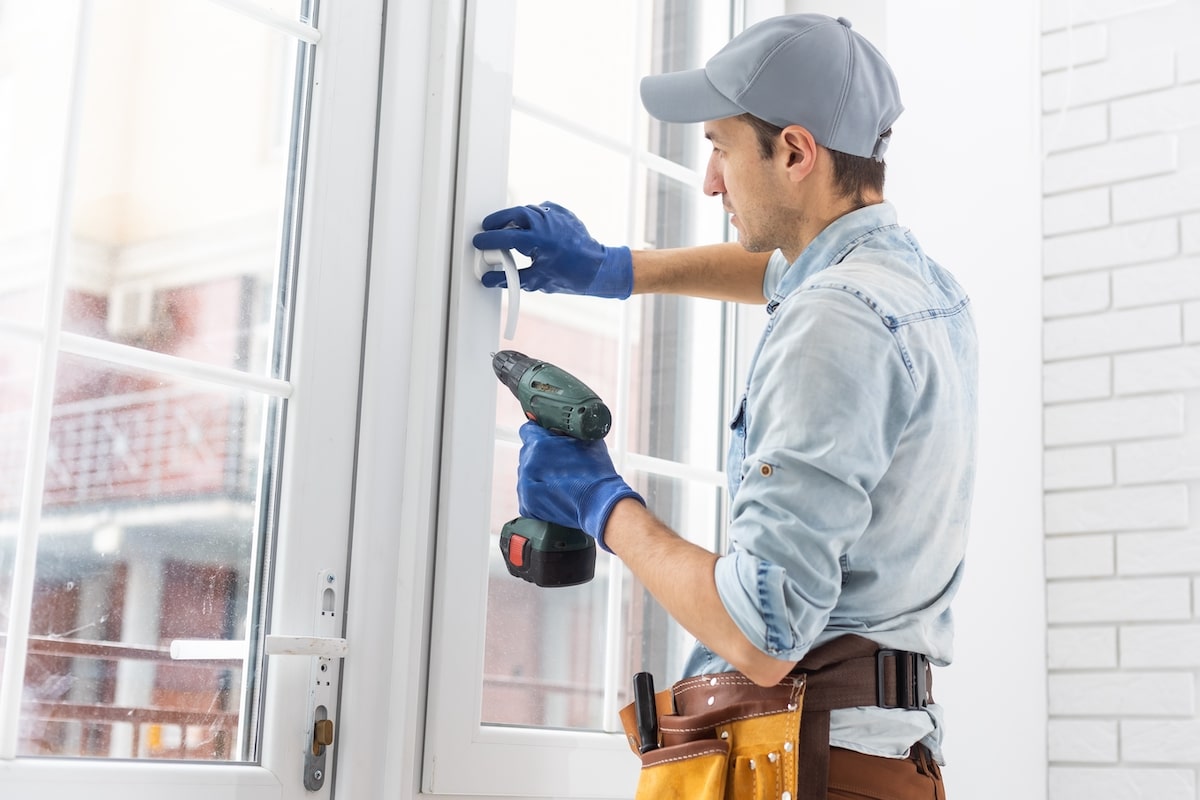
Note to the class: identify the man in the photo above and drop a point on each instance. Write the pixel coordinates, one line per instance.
(852, 458)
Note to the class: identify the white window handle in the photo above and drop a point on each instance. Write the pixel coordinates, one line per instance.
(489, 260)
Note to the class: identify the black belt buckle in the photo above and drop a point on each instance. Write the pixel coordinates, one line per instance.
(911, 686)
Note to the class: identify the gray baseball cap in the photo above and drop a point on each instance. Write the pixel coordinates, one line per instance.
(801, 69)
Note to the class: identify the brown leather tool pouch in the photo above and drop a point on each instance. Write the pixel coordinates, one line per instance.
(721, 736)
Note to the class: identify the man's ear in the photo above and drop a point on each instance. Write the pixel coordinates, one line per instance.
(800, 151)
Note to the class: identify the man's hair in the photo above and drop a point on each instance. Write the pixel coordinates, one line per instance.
(852, 175)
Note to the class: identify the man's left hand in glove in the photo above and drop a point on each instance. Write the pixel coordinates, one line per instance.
(568, 482)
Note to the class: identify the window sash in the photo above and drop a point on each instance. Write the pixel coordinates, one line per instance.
(463, 756)
(321, 387)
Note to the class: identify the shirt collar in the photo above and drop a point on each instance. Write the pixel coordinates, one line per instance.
(832, 245)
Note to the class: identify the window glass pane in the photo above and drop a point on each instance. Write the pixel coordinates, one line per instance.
(181, 181)
(35, 75)
(580, 138)
(677, 408)
(689, 507)
(18, 359)
(572, 170)
(578, 62)
(149, 528)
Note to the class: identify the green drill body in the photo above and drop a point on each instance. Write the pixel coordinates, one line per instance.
(553, 397)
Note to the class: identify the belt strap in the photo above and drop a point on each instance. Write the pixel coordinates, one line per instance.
(848, 672)
(853, 671)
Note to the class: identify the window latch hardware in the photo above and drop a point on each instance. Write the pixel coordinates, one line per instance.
(324, 647)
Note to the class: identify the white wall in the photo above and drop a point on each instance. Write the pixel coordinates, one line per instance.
(964, 175)
(963, 171)
(1121, 102)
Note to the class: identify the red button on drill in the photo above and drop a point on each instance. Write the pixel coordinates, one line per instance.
(516, 550)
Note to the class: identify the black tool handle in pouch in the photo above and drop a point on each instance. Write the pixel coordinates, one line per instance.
(645, 711)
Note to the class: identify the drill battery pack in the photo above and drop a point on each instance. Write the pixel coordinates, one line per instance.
(546, 554)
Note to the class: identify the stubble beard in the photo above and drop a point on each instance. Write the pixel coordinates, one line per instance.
(778, 235)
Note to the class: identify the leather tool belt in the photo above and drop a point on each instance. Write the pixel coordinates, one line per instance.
(722, 736)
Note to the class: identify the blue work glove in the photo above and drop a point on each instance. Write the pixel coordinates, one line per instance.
(565, 257)
(568, 482)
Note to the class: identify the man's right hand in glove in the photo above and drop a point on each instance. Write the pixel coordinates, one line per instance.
(565, 257)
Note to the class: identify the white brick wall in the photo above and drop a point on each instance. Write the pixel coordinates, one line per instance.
(1068, 128)
(1076, 211)
(1059, 14)
(1110, 162)
(1108, 420)
(1155, 283)
(1110, 247)
(1147, 694)
(1078, 467)
(1093, 647)
(1121, 302)
(1084, 740)
(1189, 233)
(1156, 197)
(1067, 783)
(1078, 379)
(1074, 47)
(1168, 553)
(1120, 76)
(1118, 600)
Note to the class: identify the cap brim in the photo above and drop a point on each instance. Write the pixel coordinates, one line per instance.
(686, 97)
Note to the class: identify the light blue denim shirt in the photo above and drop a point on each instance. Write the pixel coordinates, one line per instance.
(852, 462)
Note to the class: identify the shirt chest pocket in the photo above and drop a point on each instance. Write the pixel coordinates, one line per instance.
(737, 448)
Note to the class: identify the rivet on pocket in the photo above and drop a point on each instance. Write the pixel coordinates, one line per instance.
(766, 470)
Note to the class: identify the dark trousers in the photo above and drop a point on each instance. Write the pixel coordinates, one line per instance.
(856, 776)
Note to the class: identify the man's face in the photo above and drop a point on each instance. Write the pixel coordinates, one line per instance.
(751, 188)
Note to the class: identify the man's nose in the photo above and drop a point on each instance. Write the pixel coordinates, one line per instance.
(714, 182)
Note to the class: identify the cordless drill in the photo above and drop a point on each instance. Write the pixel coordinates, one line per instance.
(540, 552)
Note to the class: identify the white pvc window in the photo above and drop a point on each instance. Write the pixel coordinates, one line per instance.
(174, 351)
(553, 666)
